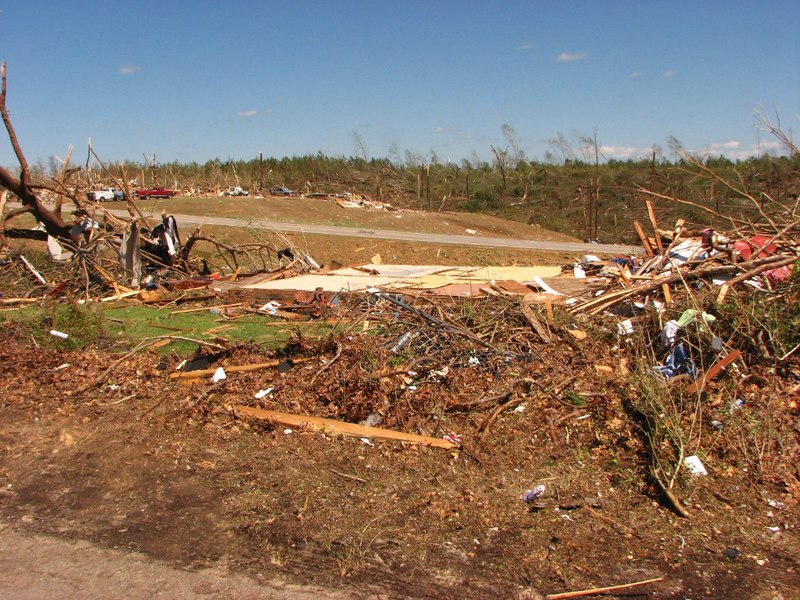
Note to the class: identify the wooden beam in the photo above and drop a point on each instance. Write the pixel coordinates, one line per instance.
(652, 214)
(341, 427)
(648, 249)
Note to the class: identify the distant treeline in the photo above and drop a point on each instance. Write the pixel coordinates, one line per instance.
(583, 198)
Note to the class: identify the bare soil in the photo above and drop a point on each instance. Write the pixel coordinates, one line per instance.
(320, 211)
(142, 463)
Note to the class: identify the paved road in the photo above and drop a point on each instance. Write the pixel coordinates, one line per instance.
(406, 236)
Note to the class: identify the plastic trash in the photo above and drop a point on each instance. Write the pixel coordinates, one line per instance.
(401, 342)
(678, 362)
(59, 334)
(694, 465)
(372, 420)
(669, 334)
(533, 494)
(453, 438)
(271, 307)
(625, 327)
(219, 375)
(263, 393)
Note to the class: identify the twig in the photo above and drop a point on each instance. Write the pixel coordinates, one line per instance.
(346, 476)
(328, 364)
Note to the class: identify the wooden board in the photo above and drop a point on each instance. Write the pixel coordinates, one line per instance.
(341, 427)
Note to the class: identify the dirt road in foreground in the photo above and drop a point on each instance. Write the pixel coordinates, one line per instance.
(36, 567)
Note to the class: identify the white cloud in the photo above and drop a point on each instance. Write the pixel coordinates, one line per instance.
(635, 73)
(247, 113)
(441, 129)
(669, 73)
(729, 145)
(572, 56)
(735, 150)
(129, 69)
(527, 47)
(624, 152)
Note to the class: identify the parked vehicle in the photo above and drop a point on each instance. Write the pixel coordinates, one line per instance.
(106, 195)
(236, 191)
(282, 191)
(155, 192)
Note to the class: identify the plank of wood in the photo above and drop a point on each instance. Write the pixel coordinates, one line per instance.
(667, 293)
(531, 317)
(648, 249)
(233, 369)
(19, 300)
(723, 362)
(652, 214)
(341, 427)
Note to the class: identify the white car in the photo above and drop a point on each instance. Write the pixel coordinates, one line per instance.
(236, 191)
(106, 195)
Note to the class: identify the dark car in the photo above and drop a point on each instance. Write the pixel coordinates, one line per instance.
(282, 191)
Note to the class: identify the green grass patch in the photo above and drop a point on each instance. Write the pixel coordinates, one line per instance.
(127, 325)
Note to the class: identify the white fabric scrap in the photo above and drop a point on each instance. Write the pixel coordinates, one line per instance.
(669, 334)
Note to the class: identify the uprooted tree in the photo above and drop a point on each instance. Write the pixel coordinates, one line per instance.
(100, 248)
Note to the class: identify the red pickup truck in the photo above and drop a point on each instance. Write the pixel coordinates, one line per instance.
(155, 192)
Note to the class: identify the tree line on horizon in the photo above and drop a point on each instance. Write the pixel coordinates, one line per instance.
(574, 193)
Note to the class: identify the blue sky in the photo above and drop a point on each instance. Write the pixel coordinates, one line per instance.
(197, 80)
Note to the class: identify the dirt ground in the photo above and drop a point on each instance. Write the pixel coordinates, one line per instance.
(321, 211)
(142, 464)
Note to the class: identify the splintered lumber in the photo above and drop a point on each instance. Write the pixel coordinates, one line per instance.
(778, 262)
(648, 249)
(531, 317)
(8, 301)
(341, 427)
(234, 369)
(601, 303)
(700, 384)
(652, 214)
